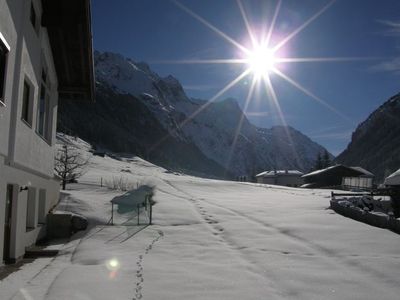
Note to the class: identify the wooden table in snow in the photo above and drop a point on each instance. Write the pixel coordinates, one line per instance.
(135, 199)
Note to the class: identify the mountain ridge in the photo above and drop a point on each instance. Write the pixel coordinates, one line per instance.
(211, 127)
(375, 143)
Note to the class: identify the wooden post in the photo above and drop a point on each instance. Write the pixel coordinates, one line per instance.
(101, 181)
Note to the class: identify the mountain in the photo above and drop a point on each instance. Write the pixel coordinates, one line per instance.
(122, 123)
(138, 111)
(375, 145)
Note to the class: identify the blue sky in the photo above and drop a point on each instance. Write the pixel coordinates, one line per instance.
(156, 31)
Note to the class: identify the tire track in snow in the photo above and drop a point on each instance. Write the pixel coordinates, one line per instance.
(139, 263)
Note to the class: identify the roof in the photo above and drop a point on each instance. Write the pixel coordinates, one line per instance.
(309, 185)
(393, 179)
(68, 24)
(362, 170)
(134, 197)
(321, 171)
(274, 173)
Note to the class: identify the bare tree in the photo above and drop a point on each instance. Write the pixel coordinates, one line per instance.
(69, 164)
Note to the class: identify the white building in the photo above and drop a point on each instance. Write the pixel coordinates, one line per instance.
(393, 179)
(45, 55)
(281, 177)
(364, 181)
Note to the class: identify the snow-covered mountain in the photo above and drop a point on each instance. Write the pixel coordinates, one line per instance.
(209, 127)
(375, 144)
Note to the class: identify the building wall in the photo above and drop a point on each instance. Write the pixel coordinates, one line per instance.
(290, 180)
(23, 237)
(266, 180)
(30, 149)
(9, 22)
(281, 180)
(332, 177)
(26, 158)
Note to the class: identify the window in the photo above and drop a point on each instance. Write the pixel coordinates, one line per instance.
(27, 102)
(8, 222)
(33, 16)
(43, 124)
(34, 19)
(42, 207)
(31, 221)
(4, 49)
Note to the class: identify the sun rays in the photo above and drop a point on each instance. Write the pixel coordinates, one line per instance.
(261, 60)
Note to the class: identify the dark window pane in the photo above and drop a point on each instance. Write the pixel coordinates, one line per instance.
(47, 128)
(41, 110)
(33, 16)
(44, 76)
(3, 56)
(25, 103)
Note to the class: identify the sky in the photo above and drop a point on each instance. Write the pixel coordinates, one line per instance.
(325, 100)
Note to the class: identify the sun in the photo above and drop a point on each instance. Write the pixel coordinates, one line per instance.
(261, 61)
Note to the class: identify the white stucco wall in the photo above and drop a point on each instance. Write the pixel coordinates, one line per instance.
(10, 18)
(31, 150)
(19, 178)
(26, 159)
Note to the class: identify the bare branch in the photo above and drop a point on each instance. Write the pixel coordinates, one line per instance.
(69, 164)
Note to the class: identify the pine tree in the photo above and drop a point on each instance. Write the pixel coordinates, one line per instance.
(326, 161)
(319, 163)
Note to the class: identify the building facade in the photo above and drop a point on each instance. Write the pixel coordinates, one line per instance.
(291, 178)
(29, 94)
(393, 179)
(338, 176)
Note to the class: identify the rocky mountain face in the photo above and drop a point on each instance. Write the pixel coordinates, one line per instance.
(375, 145)
(138, 111)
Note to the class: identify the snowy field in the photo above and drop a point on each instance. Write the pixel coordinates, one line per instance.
(211, 240)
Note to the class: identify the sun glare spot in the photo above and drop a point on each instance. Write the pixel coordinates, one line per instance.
(113, 264)
(261, 61)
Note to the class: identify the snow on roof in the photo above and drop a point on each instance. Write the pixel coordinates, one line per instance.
(279, 173)
(362, 170)
(134, 197)
(358, 169)
(321, 171)
(393, 179)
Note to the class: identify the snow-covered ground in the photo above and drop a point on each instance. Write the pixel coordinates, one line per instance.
(211, 240)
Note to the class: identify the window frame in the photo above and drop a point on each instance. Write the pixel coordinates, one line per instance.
(45, 91)
(31, 210)
(31, 98)
(34, 17)
(6, 46)
(42, 211)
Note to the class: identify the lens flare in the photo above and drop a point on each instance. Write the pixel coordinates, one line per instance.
(113, 264)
